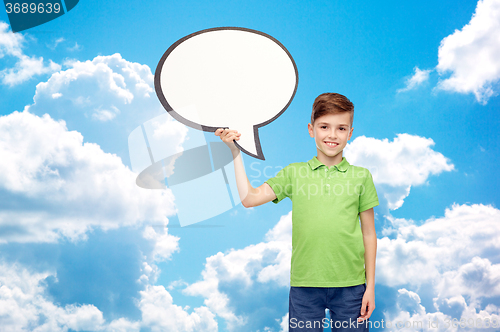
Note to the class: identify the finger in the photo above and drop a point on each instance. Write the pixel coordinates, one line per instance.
(368, 312)
(362, 318)
(229, 137)
(233, 137)
(363, 307)
(231, 133)
(226, 132)
(221, 132)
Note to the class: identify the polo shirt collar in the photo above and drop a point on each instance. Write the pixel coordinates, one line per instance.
(342, 166)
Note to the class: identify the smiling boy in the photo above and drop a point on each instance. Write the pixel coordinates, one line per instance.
(334, 242)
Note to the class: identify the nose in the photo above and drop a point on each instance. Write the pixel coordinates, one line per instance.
(332, 133)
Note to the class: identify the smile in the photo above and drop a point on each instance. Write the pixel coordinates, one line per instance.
(331, 144)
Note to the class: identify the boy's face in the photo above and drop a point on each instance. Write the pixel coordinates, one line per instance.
(331, 133)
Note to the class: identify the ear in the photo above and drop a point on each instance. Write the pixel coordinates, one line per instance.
(310, 129)
(350, 134)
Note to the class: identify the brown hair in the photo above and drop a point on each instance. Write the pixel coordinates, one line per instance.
(331, 103)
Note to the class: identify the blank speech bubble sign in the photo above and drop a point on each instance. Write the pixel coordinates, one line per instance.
(227, 77)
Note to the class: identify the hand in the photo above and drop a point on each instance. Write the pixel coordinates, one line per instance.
(368, 304)
(228, 136)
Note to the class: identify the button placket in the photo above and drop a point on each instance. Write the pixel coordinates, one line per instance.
(327, 185)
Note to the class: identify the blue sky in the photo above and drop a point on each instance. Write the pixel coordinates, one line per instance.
(82, 248)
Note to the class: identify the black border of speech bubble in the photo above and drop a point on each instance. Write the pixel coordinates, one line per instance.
(178, 117)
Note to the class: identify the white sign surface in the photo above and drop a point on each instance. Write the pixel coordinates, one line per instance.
(227, 78)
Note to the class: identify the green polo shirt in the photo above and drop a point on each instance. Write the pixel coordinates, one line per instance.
(327, 243)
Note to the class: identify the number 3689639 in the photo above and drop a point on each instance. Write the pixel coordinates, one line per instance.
(32, 8)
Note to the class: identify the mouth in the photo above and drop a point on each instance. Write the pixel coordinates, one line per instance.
(331, 144)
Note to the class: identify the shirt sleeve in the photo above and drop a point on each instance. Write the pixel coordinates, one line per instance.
(281, 184)
(368, 197)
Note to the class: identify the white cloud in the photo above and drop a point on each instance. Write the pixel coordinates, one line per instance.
(26, 67)
(479, 278)
(23, 305)
(160, 314)
(468, 60)
(407, 161)
(56, 42)
(265, 262)
(10, 43)
(76, 47)
(410, 315)
(100, 89)
(471, 54)
(418, 78)
(423, 253)
(163, 244)
(103, 115)
(54, 185)
(150, 273)
(453, 255)
(284, 323)
(105, 99)
(123, 325)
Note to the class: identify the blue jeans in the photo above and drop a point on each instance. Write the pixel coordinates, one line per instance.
(308, 304)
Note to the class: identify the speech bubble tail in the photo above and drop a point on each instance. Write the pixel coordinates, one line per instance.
(249, 143)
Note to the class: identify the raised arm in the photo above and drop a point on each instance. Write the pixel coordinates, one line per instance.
(249, 195)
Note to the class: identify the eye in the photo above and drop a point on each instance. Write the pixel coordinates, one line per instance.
(343, 128)
(322, 127)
